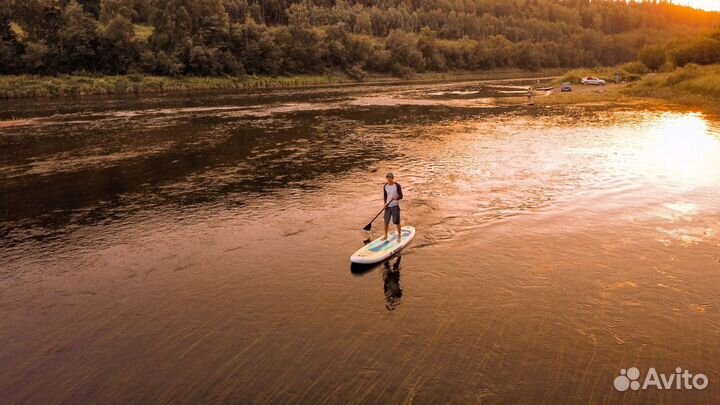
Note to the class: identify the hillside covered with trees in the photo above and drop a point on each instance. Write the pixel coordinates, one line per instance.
(285, 37)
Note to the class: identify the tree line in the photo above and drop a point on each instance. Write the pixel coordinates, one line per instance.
(282, 37)
(702, 49)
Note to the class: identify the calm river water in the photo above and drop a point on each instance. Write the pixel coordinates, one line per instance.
(195, 248)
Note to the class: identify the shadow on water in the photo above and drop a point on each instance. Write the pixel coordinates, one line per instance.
(391, 283)
(360, 270)
(391, 278)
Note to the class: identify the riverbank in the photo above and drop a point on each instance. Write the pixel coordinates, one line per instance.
(692, 86)
(26, 86)
(581, 94)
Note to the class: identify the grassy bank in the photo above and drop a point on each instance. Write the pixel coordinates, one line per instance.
(75, 85)
(630, 72)
(691, 85)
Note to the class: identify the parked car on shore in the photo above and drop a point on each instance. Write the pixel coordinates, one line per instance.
(592, 80)
(566, 87)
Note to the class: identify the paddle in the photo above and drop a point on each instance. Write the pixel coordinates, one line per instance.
(369, 226)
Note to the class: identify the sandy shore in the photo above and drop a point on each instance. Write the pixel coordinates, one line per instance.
(580, 94)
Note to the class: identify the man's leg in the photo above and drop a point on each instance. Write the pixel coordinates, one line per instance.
(387, 223)
(397, 222)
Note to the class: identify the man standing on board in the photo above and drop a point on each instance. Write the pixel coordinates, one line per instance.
(392, 194)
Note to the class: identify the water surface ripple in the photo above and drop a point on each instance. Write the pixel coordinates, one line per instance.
(194, 248)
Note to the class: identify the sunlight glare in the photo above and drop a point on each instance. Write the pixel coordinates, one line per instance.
(682, 149)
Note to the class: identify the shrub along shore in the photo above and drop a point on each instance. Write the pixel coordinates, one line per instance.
(23, 86)
(691, 85)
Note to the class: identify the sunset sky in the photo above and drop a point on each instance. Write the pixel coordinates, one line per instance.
(703, 4)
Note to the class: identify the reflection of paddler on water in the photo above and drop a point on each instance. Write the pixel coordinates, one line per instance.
(391, 279)
(391, 283)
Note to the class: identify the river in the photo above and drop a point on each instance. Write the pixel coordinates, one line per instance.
(195, 248)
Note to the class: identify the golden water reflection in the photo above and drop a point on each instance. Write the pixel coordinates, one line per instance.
(555, 246)
(681, 149)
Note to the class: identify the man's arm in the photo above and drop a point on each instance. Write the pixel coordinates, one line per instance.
(399, 192)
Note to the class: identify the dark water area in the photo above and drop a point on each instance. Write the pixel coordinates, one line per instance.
(195, 248)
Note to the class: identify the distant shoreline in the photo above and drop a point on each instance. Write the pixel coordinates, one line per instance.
(29, 86)
(692, 86)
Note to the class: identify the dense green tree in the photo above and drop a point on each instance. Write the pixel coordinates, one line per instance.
(110, 9)
(169, 65)
(9, 45)
(143, 9)
(653, 56)
(404, 52)
(91, 6)
(41, 22)
(118, 48)
(427, 45)
(527, 56)
(298, 17)
(338, 43)
(232, 37)
(236, 9)
(303, 49)
(34, 59)
(256, 48)
(702, 50)
(204, 61)
(172, 25)
(192, 35)
(78, 38)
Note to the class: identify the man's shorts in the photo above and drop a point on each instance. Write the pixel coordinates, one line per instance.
(393, 212)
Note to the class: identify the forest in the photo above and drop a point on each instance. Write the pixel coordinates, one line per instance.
(398, 37)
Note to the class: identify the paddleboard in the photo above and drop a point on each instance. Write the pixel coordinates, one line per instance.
(379, 250)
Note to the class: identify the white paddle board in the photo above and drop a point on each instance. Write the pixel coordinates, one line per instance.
(379, 250)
